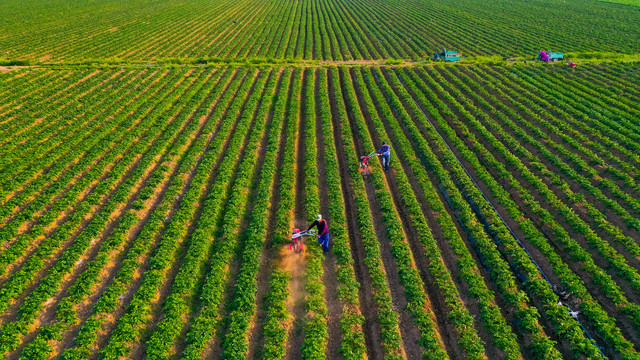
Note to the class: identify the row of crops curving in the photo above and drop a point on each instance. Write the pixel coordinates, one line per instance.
(142, 30)
(147, 212)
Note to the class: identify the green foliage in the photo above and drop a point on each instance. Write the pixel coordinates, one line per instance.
(626, 2)
(196, 31)
(7, 62)
(393, 61)
(152, 148)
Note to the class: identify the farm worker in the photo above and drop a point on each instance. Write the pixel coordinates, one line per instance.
(385, 151)
(544, 56)
(323, 232)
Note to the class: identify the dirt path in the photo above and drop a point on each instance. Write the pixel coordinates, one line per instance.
(295, 303)
(468, 61)
(295, 264)
(6, 69)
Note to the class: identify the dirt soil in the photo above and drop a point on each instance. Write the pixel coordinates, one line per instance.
(296, 302)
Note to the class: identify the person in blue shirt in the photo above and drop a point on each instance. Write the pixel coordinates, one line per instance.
(385, 152)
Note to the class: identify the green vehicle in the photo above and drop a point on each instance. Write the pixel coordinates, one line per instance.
(446, 56)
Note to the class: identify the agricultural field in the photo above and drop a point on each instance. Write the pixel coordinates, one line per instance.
(157, 155)
(143, 30)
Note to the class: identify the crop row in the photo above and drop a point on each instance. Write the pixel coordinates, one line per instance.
(156, 227)
(165, 255)
(54, 178)
(449, 182)
(68, 307)
(64, 195)
(227, 244)
(91, 231)
(277, 321)
(351, 321)
(244, 297)
(16, 249)
(610, 332)
(570, 170)
(146, 218)
(605, 281)
(469, 271)
(167, 187)
(315, 328)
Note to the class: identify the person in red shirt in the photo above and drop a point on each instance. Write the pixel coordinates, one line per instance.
(323, 232)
